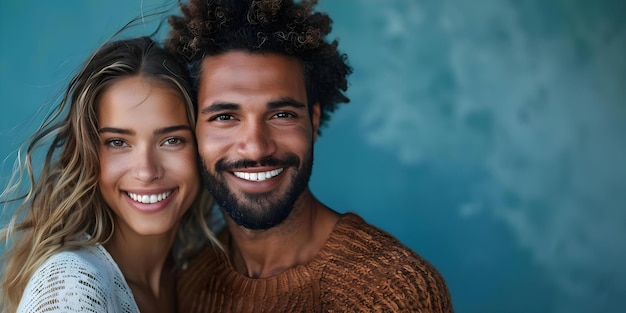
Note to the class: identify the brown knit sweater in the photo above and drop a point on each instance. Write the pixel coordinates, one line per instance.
(359, 269)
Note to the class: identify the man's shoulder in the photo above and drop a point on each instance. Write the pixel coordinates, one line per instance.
(379, 271)
(195, 269)
(358, 237)
(366, 250)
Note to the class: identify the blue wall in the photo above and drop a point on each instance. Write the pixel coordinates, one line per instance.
(487, 135)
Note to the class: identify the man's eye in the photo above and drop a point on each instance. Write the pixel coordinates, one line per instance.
(283, 115)
(222, 117)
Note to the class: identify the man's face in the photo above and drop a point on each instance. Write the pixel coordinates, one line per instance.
(255, 135)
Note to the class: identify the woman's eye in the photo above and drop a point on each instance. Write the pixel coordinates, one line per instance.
(173, 141)
(116, 143)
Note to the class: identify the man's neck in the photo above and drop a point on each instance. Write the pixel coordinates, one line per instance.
(295, 241)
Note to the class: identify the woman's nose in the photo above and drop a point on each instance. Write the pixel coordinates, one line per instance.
(147, 165)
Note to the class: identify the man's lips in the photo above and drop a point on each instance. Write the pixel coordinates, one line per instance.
(259, 176)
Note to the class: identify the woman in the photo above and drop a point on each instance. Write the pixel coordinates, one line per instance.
(118, 186)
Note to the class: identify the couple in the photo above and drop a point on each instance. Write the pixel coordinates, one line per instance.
(116, 220)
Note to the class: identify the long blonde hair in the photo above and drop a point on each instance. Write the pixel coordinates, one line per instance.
(63, 201)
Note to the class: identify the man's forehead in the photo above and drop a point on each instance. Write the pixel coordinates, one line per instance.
(251, 71)
(240, 59)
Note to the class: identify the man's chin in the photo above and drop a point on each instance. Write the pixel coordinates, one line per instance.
(255, 217)
(258, 224)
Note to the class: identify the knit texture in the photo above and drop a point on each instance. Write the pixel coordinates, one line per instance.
(84, 280)
(360, 269)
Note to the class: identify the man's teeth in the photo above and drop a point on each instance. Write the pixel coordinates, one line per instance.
(259, 176)
(149, 198)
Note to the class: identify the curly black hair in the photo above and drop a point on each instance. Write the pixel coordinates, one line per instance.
(213, 27)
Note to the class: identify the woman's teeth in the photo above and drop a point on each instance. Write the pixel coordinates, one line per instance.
(149, 198)
(259, 176)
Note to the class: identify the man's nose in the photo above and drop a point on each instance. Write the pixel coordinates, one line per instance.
(256, 141)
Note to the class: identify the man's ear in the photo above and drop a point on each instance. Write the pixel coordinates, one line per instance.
(315, 119)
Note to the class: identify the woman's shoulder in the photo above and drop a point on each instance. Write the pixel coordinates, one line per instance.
(87, 264)
(79, 279)
(87, 256)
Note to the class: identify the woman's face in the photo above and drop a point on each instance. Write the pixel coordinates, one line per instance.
(149, 175)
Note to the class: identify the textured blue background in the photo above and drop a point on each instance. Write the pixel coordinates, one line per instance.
(488, 135)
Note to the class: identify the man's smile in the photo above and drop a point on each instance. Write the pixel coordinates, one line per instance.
(258, 176)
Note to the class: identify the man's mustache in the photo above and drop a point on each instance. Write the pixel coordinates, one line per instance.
(230, 166)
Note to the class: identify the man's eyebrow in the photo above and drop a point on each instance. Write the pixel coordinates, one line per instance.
(277, 104)
(286, 102)
(220, 106)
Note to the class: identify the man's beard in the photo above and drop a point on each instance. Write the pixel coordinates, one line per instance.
(258, 211)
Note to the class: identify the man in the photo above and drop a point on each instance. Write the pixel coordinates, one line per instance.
(267, 81)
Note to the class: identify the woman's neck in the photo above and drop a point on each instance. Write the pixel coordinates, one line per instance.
(145, 262)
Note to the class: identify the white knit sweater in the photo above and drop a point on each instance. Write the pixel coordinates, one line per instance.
(85, 280)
